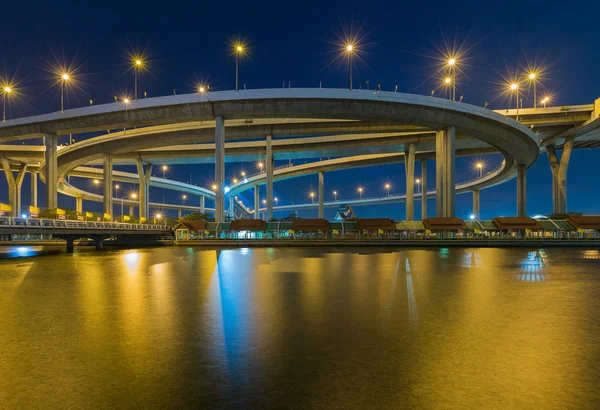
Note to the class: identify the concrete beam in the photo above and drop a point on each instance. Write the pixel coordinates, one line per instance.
(521, 190)
(445, 166)
(108, 184)
(34, 189)
(50, 141)
(409, 165)
(321, 193)
(220, 169)
(256, 201)
(476, 204)
(423, 188)
(269, 163)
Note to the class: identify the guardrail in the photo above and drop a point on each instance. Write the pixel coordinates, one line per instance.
(58, 223)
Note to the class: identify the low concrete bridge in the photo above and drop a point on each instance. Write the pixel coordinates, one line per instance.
(72, 230)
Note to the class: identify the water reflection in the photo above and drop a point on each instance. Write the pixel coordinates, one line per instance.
(269, 328)
(590, 254)
(533, 267)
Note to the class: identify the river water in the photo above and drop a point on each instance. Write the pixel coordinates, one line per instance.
(301, 328)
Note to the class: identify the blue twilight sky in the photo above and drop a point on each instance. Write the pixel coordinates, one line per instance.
(189, 42)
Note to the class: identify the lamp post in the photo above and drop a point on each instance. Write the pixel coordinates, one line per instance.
(514, 87)
(64, 78)
(479, 166)
(334, 196)
(275, 199)
(312, 197)
(452, 65)
(183, 198)
(132, 196)
(7, 91)
(387, 187)
(164, 169)
(350, 52)
(545, 101)
(136, 68)
(448, 81)
(418, 182)
(533, 79)
(117, 190)
(360, 191)
(239, 49)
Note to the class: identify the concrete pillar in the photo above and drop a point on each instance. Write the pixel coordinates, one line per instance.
(476, 203)
(424, 189)
(321, 194)
(108, 185)
(269, 163)
(256, 202)
(14, 186)
(521, 190)
(144, 184)
(202, 204)
(559, 170)
(231, 206)
(445, 164)
(79, 204)
(51, 171)
(409, 166)
(220, 169)
(34, 190)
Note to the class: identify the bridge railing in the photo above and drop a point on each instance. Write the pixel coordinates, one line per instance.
(67, 224)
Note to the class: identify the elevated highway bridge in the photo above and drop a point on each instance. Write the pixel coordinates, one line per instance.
(290, 124)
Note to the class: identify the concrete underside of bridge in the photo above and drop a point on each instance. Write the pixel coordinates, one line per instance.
(409, 123)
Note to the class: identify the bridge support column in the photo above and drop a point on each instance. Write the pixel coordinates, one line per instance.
(202, 210)
(70, 244)
(79, 204)
(108, 185)
(51, 171)
(521, 190)
(444, 169)
(99, 242)
(423, 189)
(231, 207)
(34, 190)
(144, 183)
(14, 185)
(220, 169)
(269, 162)
(256, 202)
(409, 166)
(476, 203)
(321, 194)
(559, 170)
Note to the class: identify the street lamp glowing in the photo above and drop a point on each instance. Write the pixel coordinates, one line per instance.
(472, 217)
(349, 48)
(239, 49)
(264, 201)
(96, 182)
(138, 62)
(201, 89)
(451, 61)
(532, 76)
(133, 196)
(447, 80)
(235, 180)
(65, 77)
(479, 165)
(117, 186)
(418, 181)
(260, 165)
(126, 100)
(184, 196)
(214, 187)
(7, 90)
(243, 173)
(514, 86)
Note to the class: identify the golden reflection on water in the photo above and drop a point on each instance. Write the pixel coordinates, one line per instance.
(226, 328)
